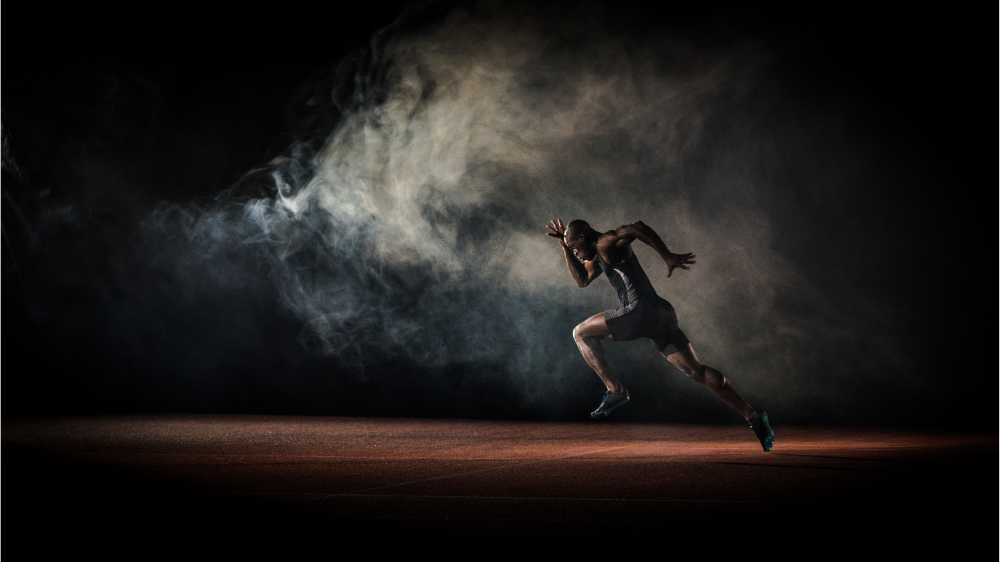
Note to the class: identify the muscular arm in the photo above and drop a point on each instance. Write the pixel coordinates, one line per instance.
(583, 272)
(575, 267)
(645, 233)
(625, 234)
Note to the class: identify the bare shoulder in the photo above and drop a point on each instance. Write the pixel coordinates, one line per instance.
(613, 245)
(629, 231)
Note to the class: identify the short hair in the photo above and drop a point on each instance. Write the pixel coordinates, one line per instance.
(578, 228)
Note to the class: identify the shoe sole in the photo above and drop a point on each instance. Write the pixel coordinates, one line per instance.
(768, 442)
(607, 412)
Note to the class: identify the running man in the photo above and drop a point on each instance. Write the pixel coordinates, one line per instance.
(643, 313)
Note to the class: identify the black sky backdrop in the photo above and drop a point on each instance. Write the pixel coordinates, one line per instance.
(108, 113)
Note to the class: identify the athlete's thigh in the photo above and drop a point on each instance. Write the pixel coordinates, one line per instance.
(596, 327)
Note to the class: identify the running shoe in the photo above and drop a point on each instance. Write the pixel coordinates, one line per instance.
(761, 426)
(610, 402)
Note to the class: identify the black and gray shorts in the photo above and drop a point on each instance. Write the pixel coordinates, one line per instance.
(656, 321)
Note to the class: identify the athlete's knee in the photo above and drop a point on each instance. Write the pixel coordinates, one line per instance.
(578, 333)
(714, 378)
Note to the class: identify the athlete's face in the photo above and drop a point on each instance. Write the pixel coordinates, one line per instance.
(580, 248)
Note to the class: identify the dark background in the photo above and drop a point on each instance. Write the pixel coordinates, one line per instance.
(107, 111)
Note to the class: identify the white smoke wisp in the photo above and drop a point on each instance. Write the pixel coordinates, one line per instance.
(481, 114)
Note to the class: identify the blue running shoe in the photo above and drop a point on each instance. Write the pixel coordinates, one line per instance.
(609, 403)
(761, 426)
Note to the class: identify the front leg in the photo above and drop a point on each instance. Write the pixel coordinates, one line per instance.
(588, 335)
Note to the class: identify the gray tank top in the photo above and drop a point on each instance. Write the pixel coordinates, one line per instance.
(629, 281)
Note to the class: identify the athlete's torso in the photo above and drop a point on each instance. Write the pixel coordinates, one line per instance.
(629, 280)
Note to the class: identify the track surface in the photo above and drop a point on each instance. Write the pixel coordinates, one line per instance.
(355, 476)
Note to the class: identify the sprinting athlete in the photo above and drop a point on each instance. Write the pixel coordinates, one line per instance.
(643, 313)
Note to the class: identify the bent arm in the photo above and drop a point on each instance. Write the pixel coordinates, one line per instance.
(645, 233)
(576, 269)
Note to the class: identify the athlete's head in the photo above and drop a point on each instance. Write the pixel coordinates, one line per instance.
(581, 239)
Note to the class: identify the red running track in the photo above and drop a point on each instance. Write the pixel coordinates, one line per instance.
(475, 477)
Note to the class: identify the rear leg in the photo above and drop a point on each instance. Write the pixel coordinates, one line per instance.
(687, 362)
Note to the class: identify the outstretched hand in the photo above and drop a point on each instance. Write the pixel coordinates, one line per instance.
(556, 229)
(678, 260)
